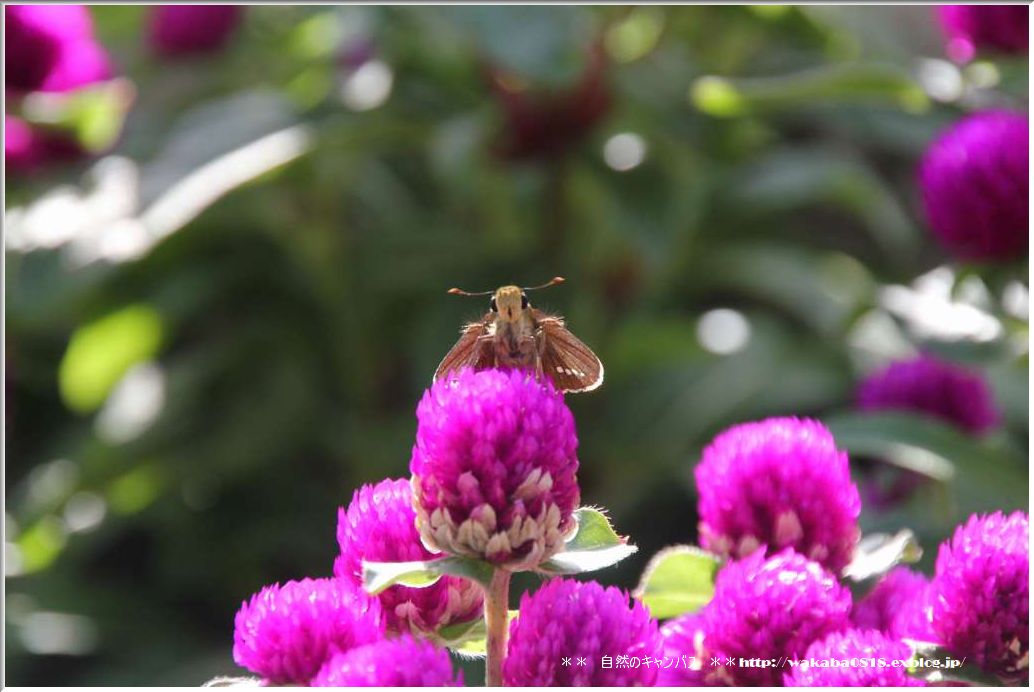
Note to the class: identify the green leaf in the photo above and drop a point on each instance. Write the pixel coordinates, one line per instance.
(93, 113)
(418, 574)
(101, 352)
(468, 639)
(877, 553)
(985, 474)
(678, 580)
(594, 545)
(943, 669)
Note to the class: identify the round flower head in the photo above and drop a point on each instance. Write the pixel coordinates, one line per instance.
(380, 526)
(974, 181)
(853, 645)
(285, 633)
(401, 662)
(929, 385)
(770, 609)
(996, 28)
(780, 483)
(981, 593)
(177, 30)
(494, 467)
(51, 48)
(580, 620)
(682, 642)
(899, 606)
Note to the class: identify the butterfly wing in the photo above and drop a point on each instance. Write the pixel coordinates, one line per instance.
(472, 350)
(567, 361)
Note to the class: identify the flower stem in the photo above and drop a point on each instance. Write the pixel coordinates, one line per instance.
(497, 602)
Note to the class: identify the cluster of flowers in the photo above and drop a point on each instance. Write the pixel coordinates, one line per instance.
(52, 50)
(494, 479)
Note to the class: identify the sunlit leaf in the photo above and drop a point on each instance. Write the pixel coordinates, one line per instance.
(101, 352)
(678, 580)
(378, 576)
(593, 546)
(877, 554)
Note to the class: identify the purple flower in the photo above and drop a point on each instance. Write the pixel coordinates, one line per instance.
(974, 181)
(980, 593)
(682, 641)
(27, 148)
(779, 483)
(402, 662)
(285, 633)
(178, 30)
(853, 645)
(579, 620)
(51, 48)
(494, 467)
(899, 606)
(930, 385)
(380, 526)
(998, 28)
(770, 609)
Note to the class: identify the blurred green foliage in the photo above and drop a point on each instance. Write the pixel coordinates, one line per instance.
(290, 308)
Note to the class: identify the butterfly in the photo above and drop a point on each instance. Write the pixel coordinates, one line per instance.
(513, 334)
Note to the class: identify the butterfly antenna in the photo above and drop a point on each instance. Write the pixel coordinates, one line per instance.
(461, 292)
(552, 282)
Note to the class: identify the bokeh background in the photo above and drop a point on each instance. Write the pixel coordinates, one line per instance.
(227, 255)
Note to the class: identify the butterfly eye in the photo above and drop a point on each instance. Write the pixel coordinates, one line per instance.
(492, 306)
(524, 301)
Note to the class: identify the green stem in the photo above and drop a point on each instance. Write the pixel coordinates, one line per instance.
(497, 603)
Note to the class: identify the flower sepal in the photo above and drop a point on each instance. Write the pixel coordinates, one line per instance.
(593, 545)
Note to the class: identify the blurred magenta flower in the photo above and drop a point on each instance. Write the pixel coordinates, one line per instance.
(682, 640)
(854, 644)
(51, 48)
(401, 662)
(380, 525)
(975, 183)
(981, 593)
(494, 467)
(26, 148)
(567, 618)
(778, 483)
(770, 609)
(929, 385)
(541, 124)
(995, 28)
(899, 606)
(179, 30)
(285, 633)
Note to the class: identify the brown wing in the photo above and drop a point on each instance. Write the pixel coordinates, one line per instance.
(567, 361)
(471, 350)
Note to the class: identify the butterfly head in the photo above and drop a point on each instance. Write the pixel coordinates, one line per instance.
(509, 303)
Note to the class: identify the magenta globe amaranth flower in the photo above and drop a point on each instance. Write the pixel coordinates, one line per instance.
(770, 609)
(844, 659)
(380, 526)
(935, 387)
(401, 662)
(981, 593)
(994, 28)
(51, 48)
(179, 30)
(285, 633)
(975, 181)
(580, 621)
(494, 467)
(780, 483)
(899, 606)
(682, 643)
